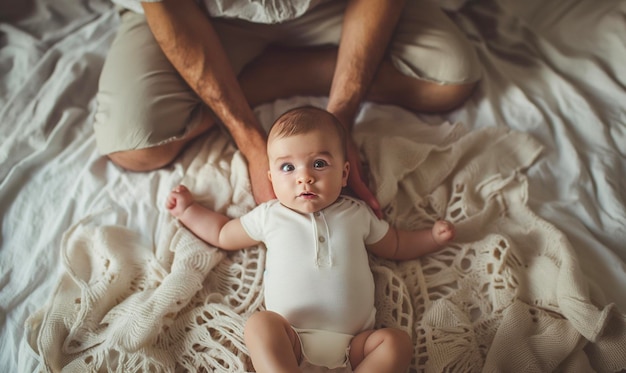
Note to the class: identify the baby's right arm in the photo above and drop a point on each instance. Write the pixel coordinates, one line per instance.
(212, 227)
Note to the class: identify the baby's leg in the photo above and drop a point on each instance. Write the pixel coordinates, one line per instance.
(383, 350)
(272, 343)
(442, 231)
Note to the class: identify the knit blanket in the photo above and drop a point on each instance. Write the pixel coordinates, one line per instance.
(506, 296)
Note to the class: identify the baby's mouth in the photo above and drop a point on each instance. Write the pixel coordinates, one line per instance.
(307, 195)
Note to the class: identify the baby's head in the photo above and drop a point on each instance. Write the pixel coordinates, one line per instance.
(307, 153)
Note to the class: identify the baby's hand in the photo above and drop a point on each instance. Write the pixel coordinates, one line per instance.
(443, 231)
(179, 199)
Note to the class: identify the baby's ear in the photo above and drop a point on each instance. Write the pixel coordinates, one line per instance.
(269, 175)
(346, 172)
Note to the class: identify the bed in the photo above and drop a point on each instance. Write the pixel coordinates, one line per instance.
(95, 276)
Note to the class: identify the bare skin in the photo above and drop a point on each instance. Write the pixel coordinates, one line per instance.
(273, 75)
(269, 336)
(272, 343)
(281, 72)
(203, 64)
(314, 162)
(367, 29)
(267, 79)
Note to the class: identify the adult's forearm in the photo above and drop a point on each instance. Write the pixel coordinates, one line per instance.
(190, 42)
(367, 29)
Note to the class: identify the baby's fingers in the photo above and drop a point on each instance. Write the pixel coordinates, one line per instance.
(170, 203)
(180, 189)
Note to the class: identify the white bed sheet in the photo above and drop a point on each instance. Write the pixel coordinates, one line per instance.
(555, 70)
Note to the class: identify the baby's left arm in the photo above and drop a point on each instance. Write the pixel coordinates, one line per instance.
(402, 245)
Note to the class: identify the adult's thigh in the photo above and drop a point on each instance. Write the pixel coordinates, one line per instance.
(142, 100)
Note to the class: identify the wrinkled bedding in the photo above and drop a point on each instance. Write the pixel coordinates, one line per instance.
(554, 73)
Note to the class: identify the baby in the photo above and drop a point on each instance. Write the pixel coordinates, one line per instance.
(319, 289)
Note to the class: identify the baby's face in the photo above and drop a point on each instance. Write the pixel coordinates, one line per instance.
(307, 170)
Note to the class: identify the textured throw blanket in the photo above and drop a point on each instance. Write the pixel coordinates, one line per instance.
(506, 296)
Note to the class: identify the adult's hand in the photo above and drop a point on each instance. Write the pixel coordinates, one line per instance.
(357, 180)
(260, 182)
(365, 35)
(190, 42)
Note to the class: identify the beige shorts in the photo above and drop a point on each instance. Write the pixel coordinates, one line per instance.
(144, 102)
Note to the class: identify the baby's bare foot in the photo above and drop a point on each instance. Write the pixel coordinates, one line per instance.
(443, 231)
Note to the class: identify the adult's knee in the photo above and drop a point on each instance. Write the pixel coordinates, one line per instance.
(148, 159)
(450, 96)
(420, 95)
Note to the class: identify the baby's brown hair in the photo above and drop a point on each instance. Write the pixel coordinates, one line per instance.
(305, 119)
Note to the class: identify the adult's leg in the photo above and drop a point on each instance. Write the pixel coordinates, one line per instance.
(273, 345)
(285, 72)
(431, 67)
(383, 350)
(157, 156)
(146, 112)
(146, 116)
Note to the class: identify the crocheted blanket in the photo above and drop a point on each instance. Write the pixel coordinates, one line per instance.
(506, 295)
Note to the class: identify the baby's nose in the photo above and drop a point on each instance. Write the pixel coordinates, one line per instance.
(305, 179)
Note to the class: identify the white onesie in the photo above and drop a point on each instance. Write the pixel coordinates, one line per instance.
(317, 273)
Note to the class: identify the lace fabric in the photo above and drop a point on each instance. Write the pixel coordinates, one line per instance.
(506, 295)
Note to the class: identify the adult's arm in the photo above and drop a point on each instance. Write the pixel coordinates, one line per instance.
(367, 29)
(190, 42)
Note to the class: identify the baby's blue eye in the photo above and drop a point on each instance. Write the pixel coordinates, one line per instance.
(320, 163)
(287, 167)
